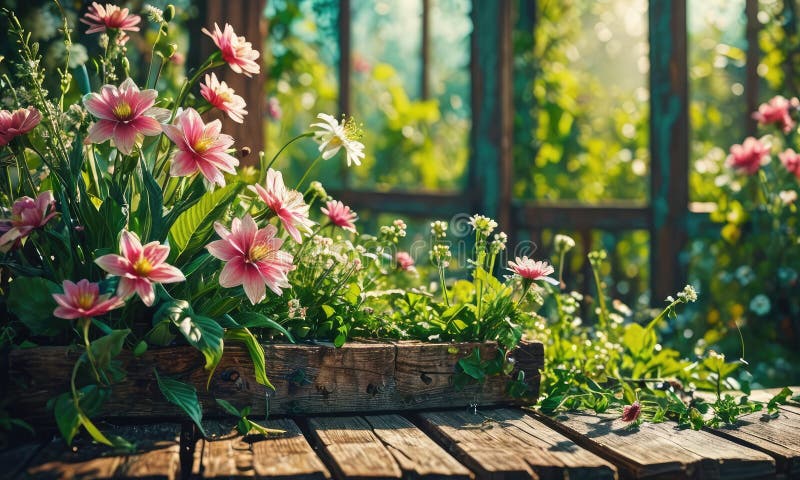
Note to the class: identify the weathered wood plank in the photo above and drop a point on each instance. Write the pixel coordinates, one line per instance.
(157, 456)
(662, 451)
(352, 449)
(526, 446)
(13, 460)
(778, 437)
(358, 377)
(416, 453)
(277, 456)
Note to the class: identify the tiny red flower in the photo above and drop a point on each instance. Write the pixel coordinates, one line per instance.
(630, 413)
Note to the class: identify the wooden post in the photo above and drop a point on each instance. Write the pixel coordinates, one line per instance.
(669, 145)
(247, 19)
(751, 66)
(492, 111)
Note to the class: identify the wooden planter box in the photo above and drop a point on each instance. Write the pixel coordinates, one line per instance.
(316, 378)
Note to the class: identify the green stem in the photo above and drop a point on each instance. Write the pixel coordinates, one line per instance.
(303, 178)
(602, 299)
(444, 285)
(85, 323)
(302, 135)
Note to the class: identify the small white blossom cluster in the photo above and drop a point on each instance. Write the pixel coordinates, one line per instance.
(439, 229)
(687, 295)
(563, 243)
(440, 255)
(499, 243)
(296, 310)
(483, 225)
(394, 232)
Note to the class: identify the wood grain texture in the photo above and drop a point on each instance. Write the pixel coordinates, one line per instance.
(358, 377)
(416, 453)
(352, 449)
(530, 447)
(156, 457)
(778, 437)
(659, 450)
(13, 460)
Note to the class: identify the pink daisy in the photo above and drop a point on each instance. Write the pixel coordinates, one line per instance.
(791, 160)
(287, 204)
(777, 111)
(139, 266)
(253, 258)
(340, 215)
(16, 123)
(28, 214)
(531, 270)
(125, 114)
(748, 156)
(83, 300)
(223, 97)
(236, 51)
(101, 19)
(201, 147)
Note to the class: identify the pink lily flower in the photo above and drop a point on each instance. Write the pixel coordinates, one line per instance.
(83, 300)
(237, 52)
(16, 123)
(139, 266)
(748, 156)
(111, 17)
(201, 147)
(224, 98)
(340, 215)
(27, 215)
(287, 204)
(124, 114)
(531, 270)
(253, 258)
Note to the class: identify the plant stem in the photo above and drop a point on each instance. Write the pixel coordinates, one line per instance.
(302, 135)
(85, 323)
(303, 178)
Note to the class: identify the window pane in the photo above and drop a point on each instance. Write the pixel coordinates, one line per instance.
(581, 91)
(717, 46)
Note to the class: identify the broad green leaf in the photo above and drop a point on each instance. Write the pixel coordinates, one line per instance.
(184, 396)
(108, 346)
(192, 229)
(257, 320)
(31, 300)
(66, 417)
(205, 334)
(472, 365)
(161, 334)
(256, 353)
(96, 434)
(329, 311)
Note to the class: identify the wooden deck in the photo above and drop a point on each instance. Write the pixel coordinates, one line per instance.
(495, 443)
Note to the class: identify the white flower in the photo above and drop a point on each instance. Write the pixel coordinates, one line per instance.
(333, 136)
(760, 304)
(788, 197)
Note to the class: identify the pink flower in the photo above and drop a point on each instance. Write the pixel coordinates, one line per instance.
(200, 147)
(288, 205)
(340, 215)
(778, 111)
(125, 115)
(631, 412)
(101, 19)
(274, 108)
(139, 266)
(28, 214)
(83, 300)
(531, 270)
(221, 96)
(405, 261)
(253, 257)
(236, 51)
(16, 123)
(748, 156)
(791, 161)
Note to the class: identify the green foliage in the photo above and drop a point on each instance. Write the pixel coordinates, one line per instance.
(184, 396)
(245, 426)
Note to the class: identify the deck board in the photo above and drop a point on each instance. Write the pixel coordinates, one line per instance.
(510, 444)
(662, 451)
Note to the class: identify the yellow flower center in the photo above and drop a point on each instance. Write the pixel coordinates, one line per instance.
(352, 130)
(202, 145)
(225, 96)
(259, 252)
(142, 267)
(122, 111)
(85, 300)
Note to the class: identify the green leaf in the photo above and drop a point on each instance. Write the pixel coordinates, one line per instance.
(192, 229)
(203, 333)
(151, 206)
(96, 434)
(30, 300)
(107, 347)
(66, 417)
(226, 405)
(329, 311)
(184, 396)
(472, 365)
(257, 320)
(161, 334)
(780, 398)
(256, 353)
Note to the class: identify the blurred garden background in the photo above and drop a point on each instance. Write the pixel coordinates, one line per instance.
(608, 120)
